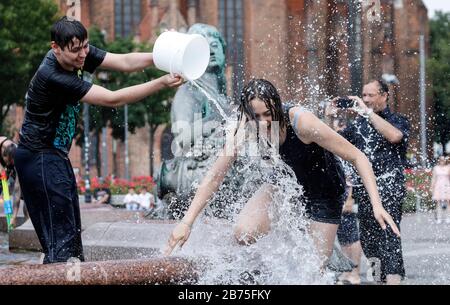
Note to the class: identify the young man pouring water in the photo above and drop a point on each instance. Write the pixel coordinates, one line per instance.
(52, 107)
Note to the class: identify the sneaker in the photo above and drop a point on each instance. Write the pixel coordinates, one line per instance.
(439, 221)
(447, 220)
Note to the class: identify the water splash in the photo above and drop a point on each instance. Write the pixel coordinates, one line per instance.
(211, 99)
(286, 255)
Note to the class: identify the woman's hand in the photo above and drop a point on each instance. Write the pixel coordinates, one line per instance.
(383, 217)
(179, 236)
(348, 206)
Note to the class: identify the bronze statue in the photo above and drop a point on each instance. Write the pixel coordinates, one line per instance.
(197, 124)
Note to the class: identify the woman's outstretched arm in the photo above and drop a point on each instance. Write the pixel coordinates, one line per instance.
(209, 185)
(311, 129)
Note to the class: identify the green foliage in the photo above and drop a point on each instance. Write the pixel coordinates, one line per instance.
(24, 40)
(152, 110)
(439, 73)
(410, 203)
(418, 185)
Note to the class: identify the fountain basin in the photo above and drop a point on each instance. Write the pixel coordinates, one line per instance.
(165, 270)
(124, 240)
(24, 236)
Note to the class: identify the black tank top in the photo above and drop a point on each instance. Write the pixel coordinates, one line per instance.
(317, 170)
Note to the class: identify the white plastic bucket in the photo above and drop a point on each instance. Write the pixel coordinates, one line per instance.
(183, 54)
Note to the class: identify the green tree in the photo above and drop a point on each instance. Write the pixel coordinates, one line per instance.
(153, 110)
(157, 111)
(24, 40)
(439, 73)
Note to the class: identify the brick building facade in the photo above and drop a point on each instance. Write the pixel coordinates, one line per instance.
(310, 49)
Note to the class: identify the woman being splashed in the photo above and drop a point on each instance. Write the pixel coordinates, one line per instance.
(307, 146)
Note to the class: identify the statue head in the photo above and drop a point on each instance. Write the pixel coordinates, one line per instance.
(216, 42)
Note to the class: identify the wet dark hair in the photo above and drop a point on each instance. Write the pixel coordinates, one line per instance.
(266, 92)
(8, 154)
(65, 29)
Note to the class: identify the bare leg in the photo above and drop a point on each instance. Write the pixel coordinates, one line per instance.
(393, 279)
(447, 202)
(353, 251)
(323, 235)
(439, 211)
(253, 222)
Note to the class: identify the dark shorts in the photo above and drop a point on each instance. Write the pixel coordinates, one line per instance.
(347, 232)
(50, 193)
(325, 210)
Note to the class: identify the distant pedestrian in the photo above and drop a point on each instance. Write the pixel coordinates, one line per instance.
(440, 186)
(7, 150)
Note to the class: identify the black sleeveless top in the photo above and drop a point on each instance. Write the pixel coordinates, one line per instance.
(317, 170)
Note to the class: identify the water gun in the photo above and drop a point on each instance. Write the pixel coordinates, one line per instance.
(7, 203)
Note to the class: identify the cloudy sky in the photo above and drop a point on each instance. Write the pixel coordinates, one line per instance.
(436, 5)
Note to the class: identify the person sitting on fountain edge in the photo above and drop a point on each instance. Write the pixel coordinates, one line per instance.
(307, 145)
(7, 151)
(50, 118)
(102, 194)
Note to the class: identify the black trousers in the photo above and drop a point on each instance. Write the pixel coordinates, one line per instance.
(50, 193)
(347, 232)
(382, 247)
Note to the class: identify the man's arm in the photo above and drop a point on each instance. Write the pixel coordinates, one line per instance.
(389, 132)
(310, 129)
(98, 95)
(392, 134)
(129, 62)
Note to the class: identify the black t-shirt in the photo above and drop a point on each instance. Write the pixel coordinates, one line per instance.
(52, 103)
(387, 159)
(317, 170)
(381, 153)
